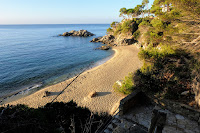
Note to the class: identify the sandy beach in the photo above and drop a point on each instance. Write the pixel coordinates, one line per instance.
(99, 79)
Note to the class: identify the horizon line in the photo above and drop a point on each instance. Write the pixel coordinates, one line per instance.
(52, 24)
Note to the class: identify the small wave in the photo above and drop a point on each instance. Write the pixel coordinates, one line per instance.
(13, 96)
(30, 88)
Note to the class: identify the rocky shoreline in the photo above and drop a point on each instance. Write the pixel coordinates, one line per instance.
(111, 40)
(81, 33)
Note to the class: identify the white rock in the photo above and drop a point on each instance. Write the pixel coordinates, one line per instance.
(119, 82)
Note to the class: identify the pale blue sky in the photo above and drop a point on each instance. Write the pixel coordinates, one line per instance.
(62, 11)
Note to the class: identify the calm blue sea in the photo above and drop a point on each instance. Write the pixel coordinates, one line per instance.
(33, 55)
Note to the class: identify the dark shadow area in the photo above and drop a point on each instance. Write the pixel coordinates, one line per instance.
(52, 118)
(167, 76)
(103, 93)
(54, 93)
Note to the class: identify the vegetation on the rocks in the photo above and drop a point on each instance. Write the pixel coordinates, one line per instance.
(55, 117)
(166, 71)
(169, 64)
(130, 23)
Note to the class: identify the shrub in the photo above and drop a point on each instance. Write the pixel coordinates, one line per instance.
(136, 34)
(155, 53)
(158, 24)
(113, 24)
(118, 30)
(127, 26)
(109, 30)
(127, 85)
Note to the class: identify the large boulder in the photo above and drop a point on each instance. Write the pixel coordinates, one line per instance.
(82, 33)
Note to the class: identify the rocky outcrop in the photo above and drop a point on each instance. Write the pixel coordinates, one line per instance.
(107, 39)
(104, 48)
(114, 41)
(82, 33)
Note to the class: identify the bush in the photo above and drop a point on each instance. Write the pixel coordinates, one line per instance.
(113, 24)
(109, 30)
(118, 29)
(136, 34)
(127, 85)
(158, 24)
(127, 26)
(155, 53)
(144, 23)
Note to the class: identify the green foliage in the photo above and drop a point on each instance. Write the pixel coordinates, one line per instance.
(143, 23)
(134, 12)
(145, 2)
(166, 70)
(190, 7)
(153, 53)
(153, 37)
(118, 29)
(123, 12)
(113, 24)
(146, 68)
(127, 26)
(131, 13)
(109, 30)
(127, 85)
(136, 34)
(158, 24)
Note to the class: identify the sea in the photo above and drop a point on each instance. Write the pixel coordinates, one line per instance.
(34, 56)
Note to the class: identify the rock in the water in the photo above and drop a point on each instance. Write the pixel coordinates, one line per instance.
(104, 48)
(82, 33)
(72, 31)
(95, 39)
(66, 34)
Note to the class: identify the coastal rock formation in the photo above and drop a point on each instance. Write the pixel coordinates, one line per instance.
(107, 39)
(104, 48)
(111, 40)
(82, 33)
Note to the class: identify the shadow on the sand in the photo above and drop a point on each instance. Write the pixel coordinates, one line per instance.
(47, 93)
(54, 93)
(102, 93)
